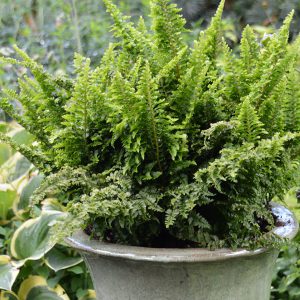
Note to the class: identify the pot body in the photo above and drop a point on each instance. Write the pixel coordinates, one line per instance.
(247, 278)
(135, 273)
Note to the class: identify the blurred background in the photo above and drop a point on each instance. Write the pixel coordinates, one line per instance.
(51, 31)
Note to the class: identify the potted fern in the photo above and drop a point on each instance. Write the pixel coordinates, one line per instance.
(168, 157)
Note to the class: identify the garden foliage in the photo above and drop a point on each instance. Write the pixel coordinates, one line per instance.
(163, 144)
(31, 266)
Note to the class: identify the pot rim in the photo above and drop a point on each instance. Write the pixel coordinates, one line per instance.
(287, 228)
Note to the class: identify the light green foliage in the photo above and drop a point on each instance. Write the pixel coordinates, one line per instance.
(76, 118)
(168, 27)
(165, 144)
(249, 126)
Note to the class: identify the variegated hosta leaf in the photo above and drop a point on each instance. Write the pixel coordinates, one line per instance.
(22, 167)
(15, 167)
(8, 273)
(4, 126)
(36, 288)
(91, 295)
(32, 240)
(5, 153)
(8, 195)
(21, 136)
(52, 204)
(57, 260)
(8, 295)
(27, 191)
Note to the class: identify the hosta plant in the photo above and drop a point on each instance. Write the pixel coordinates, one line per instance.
(31, 266)
(163, 144)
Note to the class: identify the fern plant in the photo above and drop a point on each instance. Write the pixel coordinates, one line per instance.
(163, 144)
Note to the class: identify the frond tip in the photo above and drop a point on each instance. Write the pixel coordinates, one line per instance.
(36, 157)
(249, 128)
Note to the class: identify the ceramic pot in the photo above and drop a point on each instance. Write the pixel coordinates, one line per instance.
(136, 273)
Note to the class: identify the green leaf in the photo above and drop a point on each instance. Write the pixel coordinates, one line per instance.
(5, 153)
(8, 295)
(291, 278)
(57, 260)
(36, 288)
(8, 273)
(76, 270)
(8, 195)
(52, 204)
(32, 240)
(22, 137)
(22, 166)
(27, 191)
(90, 295)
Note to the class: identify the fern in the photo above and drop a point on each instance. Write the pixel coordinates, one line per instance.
(207, 45)
(271, 112)
(249, 127)
(275, 60)
(168, 27)
(291, 104)
(34, 155)
(162, 143)
(131, 39)
(249, 59)
(249, 50)
(76, 118)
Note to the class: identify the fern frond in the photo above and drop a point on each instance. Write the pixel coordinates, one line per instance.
(166, 70)
(249, 60)
(6, 106)
(249, 50)
(43, 78)
(271, 112)
(291, 103)
(168, 27)
(41, 161)
(207, 45)
(62, 182)
(274, 59)
(232, 85)
(217, 135)
(249, 127)
(239, 164)
(73, 139)
(131, 38)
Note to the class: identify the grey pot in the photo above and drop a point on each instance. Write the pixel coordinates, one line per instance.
(136, 273)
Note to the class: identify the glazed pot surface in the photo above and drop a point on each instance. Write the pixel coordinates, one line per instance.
(136, 273)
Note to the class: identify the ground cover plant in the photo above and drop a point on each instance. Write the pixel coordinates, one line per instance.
(163, 144)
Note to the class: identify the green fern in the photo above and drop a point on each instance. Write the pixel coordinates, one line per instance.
(163, 143)
(249, 128)
(72, 139)
(291, 103)
(168, 27)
